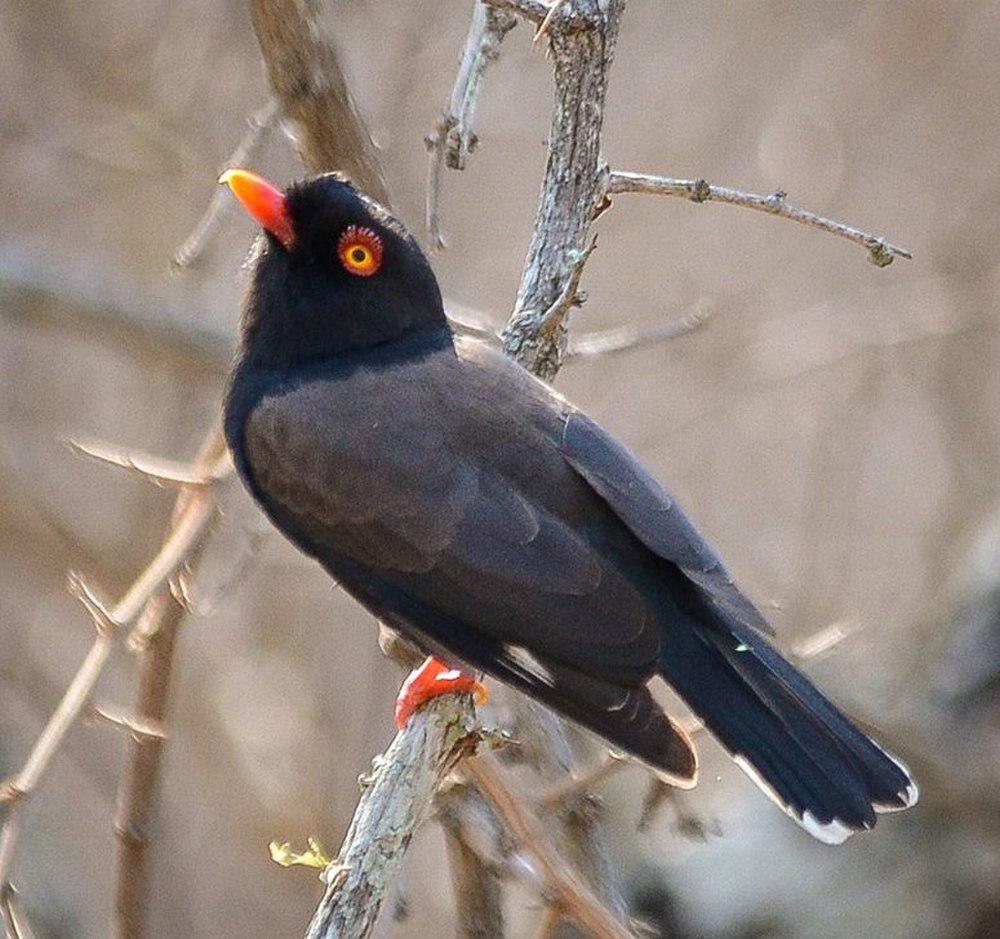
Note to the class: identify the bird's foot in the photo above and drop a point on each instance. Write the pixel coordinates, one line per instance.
(434, 678)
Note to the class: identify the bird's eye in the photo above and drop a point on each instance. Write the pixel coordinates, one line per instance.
(360, 251)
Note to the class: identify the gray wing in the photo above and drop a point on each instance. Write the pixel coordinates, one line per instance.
(452, 551)
(639, 500)
(449, 531)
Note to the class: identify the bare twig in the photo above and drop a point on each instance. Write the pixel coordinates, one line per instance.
(453, 138)
(561, 887)
(823, 640)
(137, 791)
(543, 745)
(569, 297)
(880, 251)
(612, 341)
(194, 245)
(14, 921)
(551, 920)
(572, 787)
(396, 799)
(477, 891)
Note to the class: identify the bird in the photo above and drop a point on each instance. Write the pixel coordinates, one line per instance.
(472, 508)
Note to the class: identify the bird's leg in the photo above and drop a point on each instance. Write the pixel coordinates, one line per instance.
(430, 680)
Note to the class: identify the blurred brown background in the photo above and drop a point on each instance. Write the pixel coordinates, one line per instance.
(833, 428)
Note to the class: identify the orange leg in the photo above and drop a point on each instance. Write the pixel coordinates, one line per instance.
(430, 680)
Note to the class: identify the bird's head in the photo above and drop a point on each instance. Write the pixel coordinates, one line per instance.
(334, 272)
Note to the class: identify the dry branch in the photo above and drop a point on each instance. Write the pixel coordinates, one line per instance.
(453, 138)
(194, 245)
(533, 10)
(111, 621)
(572, 189)
(396, 799)
(880, 251)
(479, 862)
(561, 887)
(304, 72)
(612, 341)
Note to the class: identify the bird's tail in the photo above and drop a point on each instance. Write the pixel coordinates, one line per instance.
(797, 746)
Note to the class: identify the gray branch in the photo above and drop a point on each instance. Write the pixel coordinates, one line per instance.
(533, 10)
(453, 138)
(880, 251)
(397, 798)
(572, 187)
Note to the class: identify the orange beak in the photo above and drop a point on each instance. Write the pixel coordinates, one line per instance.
(263, 200)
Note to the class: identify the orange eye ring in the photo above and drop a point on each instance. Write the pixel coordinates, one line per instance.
(360, 251)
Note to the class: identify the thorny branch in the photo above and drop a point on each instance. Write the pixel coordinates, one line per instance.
(164, 473)
(186, 534)
(880, 251)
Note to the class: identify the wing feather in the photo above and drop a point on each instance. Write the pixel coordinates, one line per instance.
(639, 500)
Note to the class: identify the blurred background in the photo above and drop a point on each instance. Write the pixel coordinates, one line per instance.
(833, 428)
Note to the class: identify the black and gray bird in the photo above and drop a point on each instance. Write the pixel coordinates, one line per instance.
(472, 508)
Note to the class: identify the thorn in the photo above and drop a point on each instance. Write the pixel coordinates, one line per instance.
(163, 473)
(10, 792)
(700, 191)
(823, 640)
(106, 624)
(138, 728)
(879, 253)
(543, 27)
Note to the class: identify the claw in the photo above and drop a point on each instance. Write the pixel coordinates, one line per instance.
(434, 678)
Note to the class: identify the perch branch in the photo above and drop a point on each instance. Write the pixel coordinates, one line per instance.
(396, 799)
(880, 251)
(453, 138)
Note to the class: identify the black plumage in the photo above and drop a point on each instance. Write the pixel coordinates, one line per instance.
(471, 507)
